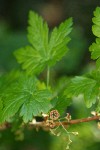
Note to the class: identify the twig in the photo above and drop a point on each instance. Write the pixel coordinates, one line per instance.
(76, 121)
(66, 123)
(57, 123)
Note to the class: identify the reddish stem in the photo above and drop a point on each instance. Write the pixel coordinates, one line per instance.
(64, 123)
(76, 121)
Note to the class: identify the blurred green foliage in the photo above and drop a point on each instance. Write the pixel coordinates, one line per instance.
(9, 41)
(72, 63)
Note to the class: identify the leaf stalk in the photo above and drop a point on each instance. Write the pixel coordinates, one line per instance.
(48, 76)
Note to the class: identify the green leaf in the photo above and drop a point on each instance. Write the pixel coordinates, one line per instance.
(38, 33)
(30, 59)
(98, 106)
(58, 41)
(39, 102)
(61, 85)
(95, 52)
(44, 51)
(7, 79)
(95, 74)
(61, 103)
(95, 47)
(96, 21)
(1, 104)
(25, 97)
(83, 85)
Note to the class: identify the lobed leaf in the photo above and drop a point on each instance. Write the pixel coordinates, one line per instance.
(43, 52)
(83, 85)
(31, 59)
(1, 104)
(95, 47)
(38, 33)
(58, 40)
(7, 79)
(95, 52)
(61, 103)
(96, 21)
(25, 97)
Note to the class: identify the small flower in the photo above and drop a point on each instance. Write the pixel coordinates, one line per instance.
(94, 113)
(68, 117)
(33, 122)
(75, 133)
(45, 116)
(58, 134)
(50, 124)
(54, 115)
(67, 147)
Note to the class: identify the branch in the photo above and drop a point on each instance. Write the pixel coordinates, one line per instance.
(46, 125)
(76, 121)
(64, 123)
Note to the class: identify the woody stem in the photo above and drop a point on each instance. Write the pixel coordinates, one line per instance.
(57, 123)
